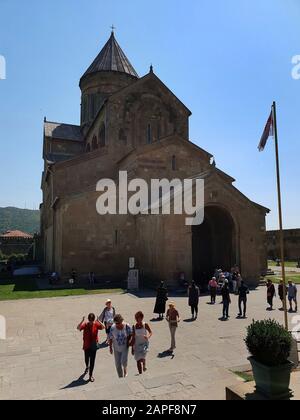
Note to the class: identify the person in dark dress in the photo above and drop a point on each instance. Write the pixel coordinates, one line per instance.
(281, 293)
(226, 299)
(194, 294)
(161, 299)
(270, 294)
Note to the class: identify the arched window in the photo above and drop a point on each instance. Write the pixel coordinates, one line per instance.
(85, 109)
(94, 105)
(94, 143)
(88, 148)
(102, 135)
(122, 136)
(174, 163)
(149, 134)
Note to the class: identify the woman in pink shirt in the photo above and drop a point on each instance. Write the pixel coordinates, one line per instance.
(213, 287)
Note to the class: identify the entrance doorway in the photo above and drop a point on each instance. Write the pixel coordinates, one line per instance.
(214, 244)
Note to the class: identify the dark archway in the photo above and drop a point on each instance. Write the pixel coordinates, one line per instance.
(214, 244)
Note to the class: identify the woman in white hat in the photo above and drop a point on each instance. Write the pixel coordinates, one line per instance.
(107, 317)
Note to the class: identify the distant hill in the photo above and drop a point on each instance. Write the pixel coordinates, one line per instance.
(12, 218)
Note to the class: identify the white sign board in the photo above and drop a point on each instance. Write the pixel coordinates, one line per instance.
(133, 280)
(131, 263)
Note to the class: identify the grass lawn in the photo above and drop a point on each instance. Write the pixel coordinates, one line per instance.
(295, 278)
(289, 264)
(246, 376)
(26, 288)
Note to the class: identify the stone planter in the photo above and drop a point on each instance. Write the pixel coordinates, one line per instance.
(272, 382)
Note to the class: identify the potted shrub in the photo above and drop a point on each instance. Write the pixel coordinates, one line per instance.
(270, 345)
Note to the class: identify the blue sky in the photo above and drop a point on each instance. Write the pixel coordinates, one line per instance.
(226, 60)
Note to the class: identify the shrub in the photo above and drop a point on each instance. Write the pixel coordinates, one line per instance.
(269, 342)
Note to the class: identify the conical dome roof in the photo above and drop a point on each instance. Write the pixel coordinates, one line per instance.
(112, 58)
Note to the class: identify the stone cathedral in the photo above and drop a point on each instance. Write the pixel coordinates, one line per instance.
(136, 124)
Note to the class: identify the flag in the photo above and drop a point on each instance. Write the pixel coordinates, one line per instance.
(268, 132)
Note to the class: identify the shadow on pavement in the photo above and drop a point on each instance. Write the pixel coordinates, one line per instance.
(77, 383)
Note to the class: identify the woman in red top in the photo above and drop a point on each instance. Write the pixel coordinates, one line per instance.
(90, 342)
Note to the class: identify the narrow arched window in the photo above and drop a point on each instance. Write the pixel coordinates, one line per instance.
(94, 143)
(122, 136)
(174, 163)
(102, 135)
(149, 134)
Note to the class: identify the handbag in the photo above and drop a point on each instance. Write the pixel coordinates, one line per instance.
(95, 346)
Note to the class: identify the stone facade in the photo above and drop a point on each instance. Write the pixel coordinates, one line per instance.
(291, 244)
(138, 125)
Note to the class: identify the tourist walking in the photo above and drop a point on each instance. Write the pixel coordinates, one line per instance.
(243, 292)
(292, 296)
(90, 342)
(161, 300)
(225, 292)
(141, 334)
(194, 295)
(270, 294)
(119, 342)
(107, 317)
(173, 320)
(281, 293)
(213, 289)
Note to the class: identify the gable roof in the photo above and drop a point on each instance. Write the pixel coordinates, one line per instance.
(140, 81)
(150, 76)
(147, 148)
(62, 131)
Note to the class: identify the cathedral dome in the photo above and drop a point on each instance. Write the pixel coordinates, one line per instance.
(111, 58)
(110, 72)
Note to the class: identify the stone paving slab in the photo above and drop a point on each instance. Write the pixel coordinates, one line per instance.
(42, 357)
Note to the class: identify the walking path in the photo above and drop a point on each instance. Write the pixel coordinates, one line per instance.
(42, 356)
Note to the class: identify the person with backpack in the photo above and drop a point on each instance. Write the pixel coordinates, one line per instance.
(90, 342)
(141, 334)
(107, 317)
(292, 296)
(213, 289)
(194, 294)
(119, 342)
(243, 291)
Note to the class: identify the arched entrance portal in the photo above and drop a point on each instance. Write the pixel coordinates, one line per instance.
(214, 244)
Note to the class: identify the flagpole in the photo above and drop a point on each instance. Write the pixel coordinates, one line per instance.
(280, 218)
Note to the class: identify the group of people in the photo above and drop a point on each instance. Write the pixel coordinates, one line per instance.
(226, 283)
(291, 292)
(120, 336)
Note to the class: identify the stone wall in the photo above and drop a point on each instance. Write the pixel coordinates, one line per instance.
(291, 244)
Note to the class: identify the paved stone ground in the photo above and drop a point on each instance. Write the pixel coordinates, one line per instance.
(42, 357)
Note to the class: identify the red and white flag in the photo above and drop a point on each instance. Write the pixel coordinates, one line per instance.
(268, 132)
